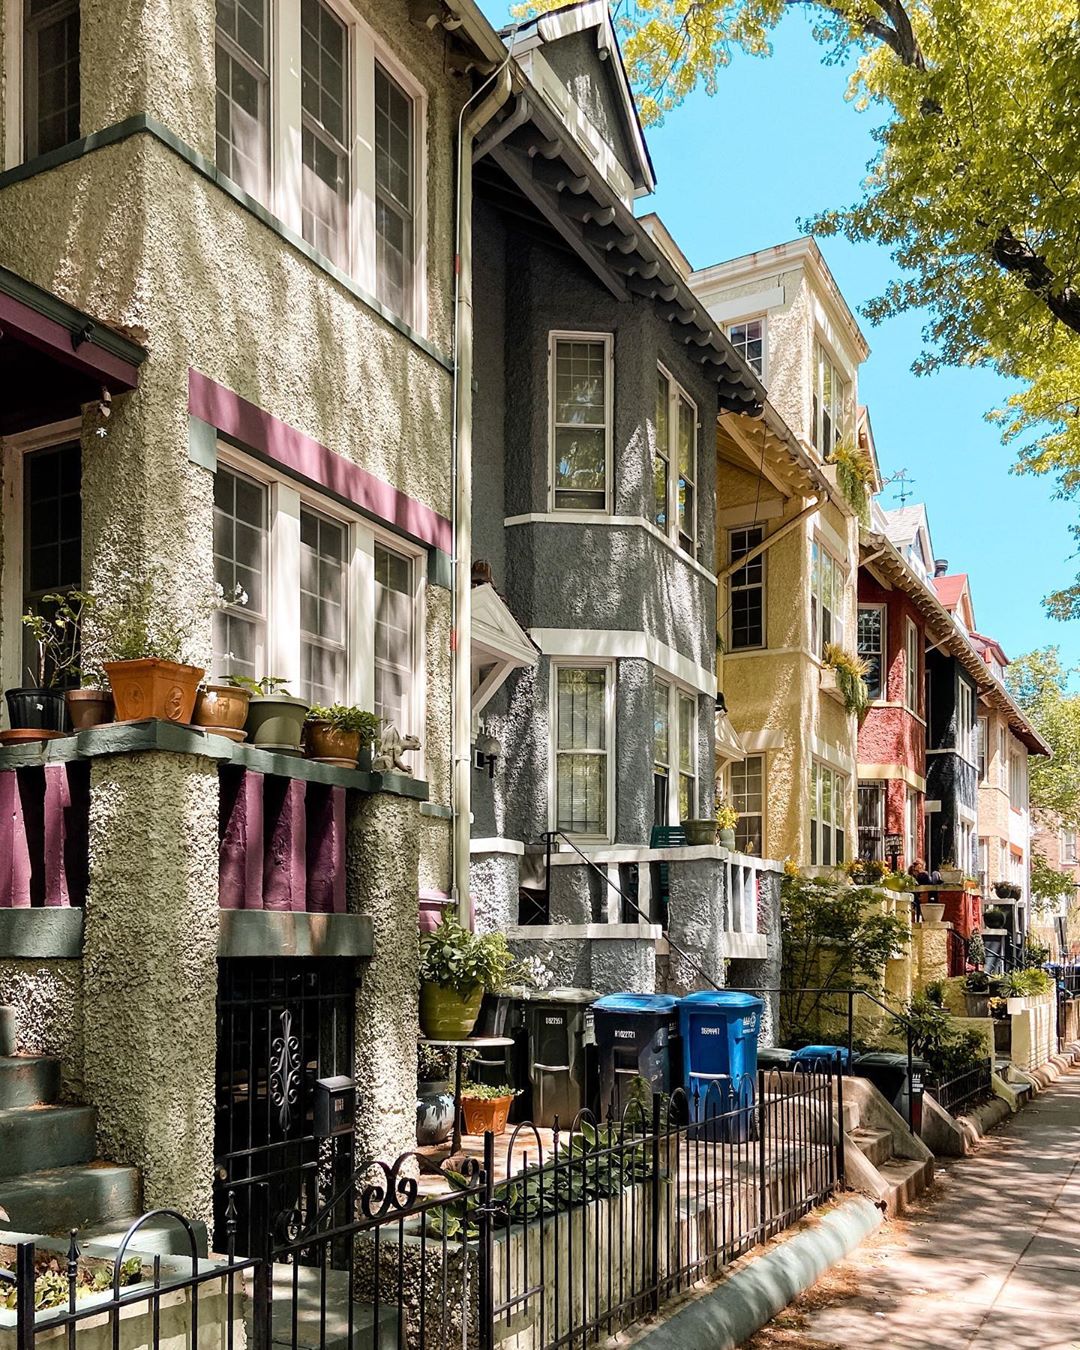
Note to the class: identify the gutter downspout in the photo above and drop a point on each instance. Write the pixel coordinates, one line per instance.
(773, 538)
(469, 124)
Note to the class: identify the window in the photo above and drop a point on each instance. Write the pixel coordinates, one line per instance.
(661, 751)
(395, 653)
(748, 798)
(965, 721)
(52, 536)
(676, 445)
(981, 755)
(829, 410)
(1068, 847)
(394, 211)
(687, 757)
(871, 639)
(687, 516)
(324, 94)
(911, 667)
(826, 599)
(966, 846)
(828, 797)
(748, 339)
(747, 590)
(241, 561)
(662, 453)
(583, 697)
(911, 826)
(1003, 758)
(581, 421)
(1018, 780)
(984, 865)
(243, 93)
(323, 629)
(50, 75)
(871, 811)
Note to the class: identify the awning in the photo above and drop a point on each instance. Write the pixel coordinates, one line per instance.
(726, 739)
(499, 645)
(54, 358)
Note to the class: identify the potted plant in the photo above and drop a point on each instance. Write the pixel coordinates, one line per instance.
(866, 871)
(903, 882)
(993, 917)
(845, 673)
(485, 1107)
(456, 966)
(222, 708)
(338, 734)
(932, 911)
(434, 1096)
(1015, 989)
(275, 719)
(146, 641)
(950, 874)
(1007, 890)
(977, 993)
(726, 820)
(38, 710)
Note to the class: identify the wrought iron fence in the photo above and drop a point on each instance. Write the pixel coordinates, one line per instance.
(562, 1238)
(953, 1094)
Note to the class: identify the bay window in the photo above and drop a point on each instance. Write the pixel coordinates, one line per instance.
(662, 454)
(52, 537)
(675, 753)
(50, 75)
(583, 713)
(871, 644)
(394, 636)
(828, 803)
(241, 567)
(826, 599)
(965, 721)
(747, 782)
(982, 742)
(687, 756)
(870, 806)
(675, 463)
(581, 420)
(242, 59)
(661, 751)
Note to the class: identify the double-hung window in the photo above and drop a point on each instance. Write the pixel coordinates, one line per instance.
(581, 417)
(911, 825)
(747, 781)
(1018, 787)
(241, 569)
(1003, 757)
(965, 721)
(242, 56)
(826, 599)
(829, 404)
(870, 807)
(871, 642)
(748, 339)
(982, 733)
(324, 653)
(747, 589)
(661, 751)
(911, 667)
(687, 756)
(51, 537)
(50, 75)
(584, 699)
(324, 97)
(675, 463)
(394, 189)
(675, 752)
(662, 454)
(395, 640)
(828, 803)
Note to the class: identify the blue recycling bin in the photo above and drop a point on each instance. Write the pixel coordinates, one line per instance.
(637, 1036)
(821, 1058)
(719, 1030)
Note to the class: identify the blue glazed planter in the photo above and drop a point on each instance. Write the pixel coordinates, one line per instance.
(434, 1113)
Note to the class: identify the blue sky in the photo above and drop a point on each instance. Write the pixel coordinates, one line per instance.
(736, 171)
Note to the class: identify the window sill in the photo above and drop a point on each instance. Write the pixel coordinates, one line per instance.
(127, 738)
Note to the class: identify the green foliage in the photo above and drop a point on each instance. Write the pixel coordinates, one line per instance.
(948, 1051)
(867, 871)
(727, 818)
(343, 718)
(855, 477)
(1026, 983)
(1036, 953)
(264, 688)
(1040, 684)
(850, 677)
(456, 959)
(56, 629)
(1049, 887)
(51, 1281)
(976, 950)
(899, 881)
(484, 1092)
(935, 992)
(835, 936)
(977, 981)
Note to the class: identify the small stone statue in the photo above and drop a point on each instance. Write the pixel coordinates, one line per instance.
(392, 745)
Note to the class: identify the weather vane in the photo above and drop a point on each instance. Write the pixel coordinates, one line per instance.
(903, 484)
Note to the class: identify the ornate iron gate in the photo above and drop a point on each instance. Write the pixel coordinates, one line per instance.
(282, 1024)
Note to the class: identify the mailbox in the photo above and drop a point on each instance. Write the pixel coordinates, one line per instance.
(334, 1106)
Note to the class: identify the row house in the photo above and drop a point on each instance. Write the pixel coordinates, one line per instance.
(1058, 927)
(788, 553)
(227, 314)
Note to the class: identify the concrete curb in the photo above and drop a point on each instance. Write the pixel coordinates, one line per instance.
(725, 1315)
(982, 1119)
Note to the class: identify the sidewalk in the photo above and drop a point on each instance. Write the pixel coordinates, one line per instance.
(992, 1260)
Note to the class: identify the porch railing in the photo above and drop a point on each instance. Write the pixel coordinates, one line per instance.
(953, 1094)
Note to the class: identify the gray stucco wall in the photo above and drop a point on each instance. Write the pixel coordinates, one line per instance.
(150, 971)
(47, 996)
(591, 82)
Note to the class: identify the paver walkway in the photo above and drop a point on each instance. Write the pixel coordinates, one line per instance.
(993, 1260)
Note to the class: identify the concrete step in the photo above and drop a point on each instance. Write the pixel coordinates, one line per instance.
(875, 1145)
(28, 1080)
(55, 1201)
(906, 1178)
(157, 1235)
(368, 1333)
(33, 1138)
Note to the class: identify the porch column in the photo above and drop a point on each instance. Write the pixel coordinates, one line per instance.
(150, 971)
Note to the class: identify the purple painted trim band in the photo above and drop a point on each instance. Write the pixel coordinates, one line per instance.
(306, 458)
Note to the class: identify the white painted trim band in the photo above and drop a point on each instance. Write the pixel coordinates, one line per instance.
(497, 845)
(613, 644)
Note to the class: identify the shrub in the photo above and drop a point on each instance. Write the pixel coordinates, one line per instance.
(456, 959)
(948, 1051)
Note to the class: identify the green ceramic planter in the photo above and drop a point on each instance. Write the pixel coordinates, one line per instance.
(699, 832)
(446, 1015)
(276, 722)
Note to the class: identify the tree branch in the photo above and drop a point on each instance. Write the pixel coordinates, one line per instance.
(900, 38)
(1014, 255)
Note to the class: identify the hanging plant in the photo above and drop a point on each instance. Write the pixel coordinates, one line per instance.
(854, 477)
(850, 677)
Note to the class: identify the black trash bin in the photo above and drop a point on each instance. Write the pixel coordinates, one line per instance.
(774, 1057)
(558, 1023)
(888, 1071)
(637, 1036)
(501, 1015)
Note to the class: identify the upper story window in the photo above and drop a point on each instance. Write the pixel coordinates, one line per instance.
(826, 599)
(911, 667)
(829, 404)
(318, 122)
(982, 734)
(747, 590)
(50, 75)
(1018, 786)
(748, 339)
(581, 418)
(675, 463)
(331, 607)
(1068, 847)
(1003, 757)
(871, 641)
(243, 92)
(687, 756)
(582, 716)
(965, 721)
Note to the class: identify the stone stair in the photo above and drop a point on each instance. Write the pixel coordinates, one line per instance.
(51, 1180)
(883, 1158)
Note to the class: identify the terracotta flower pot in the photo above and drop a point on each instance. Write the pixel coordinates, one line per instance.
(222, 708)
(323, 741)
(89, 708)
(276, 722)
(485, 1113)
(151, 687)
(446, 1015)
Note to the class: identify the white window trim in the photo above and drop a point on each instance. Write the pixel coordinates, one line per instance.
(825, 348)
(610, 684)
(285, 497)
(964, 746)
(763, 559)
(608, 339)
(15, 449)
(912, 677)
(676, 393)
(286, 149)
(763, 814)
(983, 723)
(817, 644)
(817, 826)
(13, 86)
(676, 690)
(763, 319)
(883, 610)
